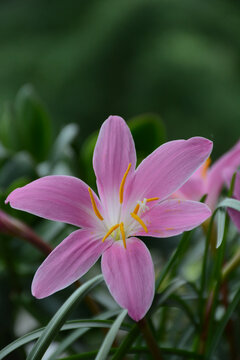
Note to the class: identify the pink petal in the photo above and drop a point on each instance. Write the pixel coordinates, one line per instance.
(113, 153)
(234, 214)
(129, 275)
(168, 168)
(68, 262)
(172, 217)
(194, 188)
(60, 198)
(230, 160)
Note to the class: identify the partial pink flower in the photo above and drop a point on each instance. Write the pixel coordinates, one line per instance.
(131, 202)
(210, 179)
(234, 214)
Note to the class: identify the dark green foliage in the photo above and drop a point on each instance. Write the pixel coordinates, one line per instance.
(176, 63)
(90, 59)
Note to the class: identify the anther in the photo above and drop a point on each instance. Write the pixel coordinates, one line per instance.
(123, 234)
(123, 183)
(95, 209)
(137, 218)
(153, 199)
(135, 211)
(205, 167)
(111, 230)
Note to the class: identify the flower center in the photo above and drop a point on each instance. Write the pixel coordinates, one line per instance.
(117, 231)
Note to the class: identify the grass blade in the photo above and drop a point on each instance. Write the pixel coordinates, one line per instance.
(76, 334)
(60, 317)
(107, 343)
(232, 203)
(219, 330)
(221, 218)
(69, 325)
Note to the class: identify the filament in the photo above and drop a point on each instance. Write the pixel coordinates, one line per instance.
(95, 209)
(110, 231)
(137, 218)
(123, 234)
(123, 183)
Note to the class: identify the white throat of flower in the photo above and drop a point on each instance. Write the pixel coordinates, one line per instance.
(117, 231)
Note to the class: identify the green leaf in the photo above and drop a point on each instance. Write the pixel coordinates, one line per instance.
(172, 260)
(126, 344)
(184, 354)
(221, 218)
(33, 124)
(86, 155)
(78, 333)
(63, 141)
(221, 326)
(148, 132)
(19, 166)
(232, 203)
(70, 325)
(107, 343)
(8, 133)
(60, 317)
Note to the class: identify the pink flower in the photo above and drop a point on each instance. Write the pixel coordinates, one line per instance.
(209, 180)
(234, 214)
(132, 202)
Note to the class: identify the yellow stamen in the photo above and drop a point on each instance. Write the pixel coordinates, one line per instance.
(205, 168)
(170, 228)
(137, 218)
(123, 234)
(123, 183)
(135, 211)
(152, 199)
(110, 231)
(95, 209)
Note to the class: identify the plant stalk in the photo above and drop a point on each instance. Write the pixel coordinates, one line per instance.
(149, 338)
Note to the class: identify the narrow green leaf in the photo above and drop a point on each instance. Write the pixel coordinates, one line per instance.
(161, 298)
(186, 354)
(69, 325)
(221, 218)
(232, 203)
(217, 274)
(60, 317)
(220, 328)
(172, 260)
(108, 341)
(187, 309)
(76, 334)
(125, 346)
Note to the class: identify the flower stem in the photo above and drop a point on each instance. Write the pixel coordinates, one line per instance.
(149, 338)
(231, 265)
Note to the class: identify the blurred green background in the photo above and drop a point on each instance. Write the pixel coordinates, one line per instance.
(169, 67)
(89, 59)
